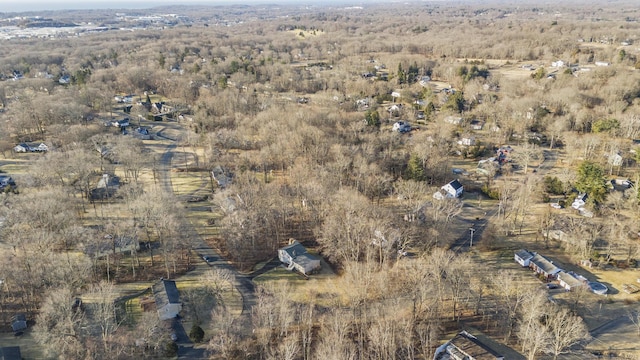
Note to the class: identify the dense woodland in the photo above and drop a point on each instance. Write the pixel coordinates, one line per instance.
(294, 102)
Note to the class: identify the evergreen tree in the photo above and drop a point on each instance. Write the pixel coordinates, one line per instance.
(415, 170)
(592, 181)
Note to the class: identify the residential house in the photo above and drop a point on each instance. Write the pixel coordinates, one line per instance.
(111, 245)
(502, 154)
(570, 280)
(455, 120)
(523, 257)
(18, 323)
(222, 176)
(10, 353)
(467, 140)
(107, 187)
(394, 110)
(476, 124)
(488, 166)
(615, 160)
(25, 147)
(544, 267)
(6, 181)
(296, 257)
(121, 123)
(454, 189)
(465, 346)
(64, 80)
(401, 127)
(580, 201)
(142, 133)
(167, 299)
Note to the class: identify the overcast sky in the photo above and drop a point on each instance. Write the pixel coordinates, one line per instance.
(36, 5)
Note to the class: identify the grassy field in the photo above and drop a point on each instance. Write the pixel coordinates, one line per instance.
(323, 288)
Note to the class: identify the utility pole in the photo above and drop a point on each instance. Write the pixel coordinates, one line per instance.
(472, 230)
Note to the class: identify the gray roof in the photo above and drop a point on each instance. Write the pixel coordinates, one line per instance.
(166, 292)
(18, 322)
(569, 279)
(295, 249)
(524, 254)
(545, 264)
(471, 346)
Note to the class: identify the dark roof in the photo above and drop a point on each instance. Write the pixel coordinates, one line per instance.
(18, 322)
(10, 353)
(166, 292)
(474, 348)
(295, 249)
(455, 184)
(582, 196)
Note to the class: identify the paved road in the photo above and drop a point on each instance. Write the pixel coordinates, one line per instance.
(479, 223)
(243, 283)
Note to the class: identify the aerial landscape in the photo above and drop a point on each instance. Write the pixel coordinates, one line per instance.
(324, 180)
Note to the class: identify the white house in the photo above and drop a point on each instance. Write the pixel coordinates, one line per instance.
(455, 120)
(401, 127)
(523, 257)
(467, 141)
(24, 147)
(615, 160)
(453, 189)
(579, 201)
(167, 299)
(295, 256)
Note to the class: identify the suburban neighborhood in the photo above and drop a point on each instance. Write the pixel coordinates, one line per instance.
(446, 181)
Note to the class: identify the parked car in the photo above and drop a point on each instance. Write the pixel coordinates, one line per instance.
(555, 205)
(208, 259)
(551, 286)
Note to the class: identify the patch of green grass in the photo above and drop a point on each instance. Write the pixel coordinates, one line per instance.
(279, 274)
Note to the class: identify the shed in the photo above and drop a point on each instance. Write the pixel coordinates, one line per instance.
(296, 257)
(167, 299)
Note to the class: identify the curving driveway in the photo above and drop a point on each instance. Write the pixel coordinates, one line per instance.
(243, 283)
